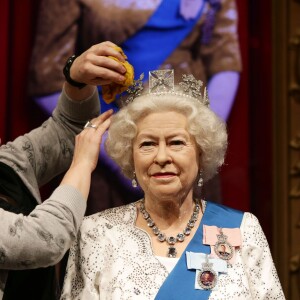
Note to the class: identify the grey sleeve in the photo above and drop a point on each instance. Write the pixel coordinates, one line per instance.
(41, 238)
(47, 151)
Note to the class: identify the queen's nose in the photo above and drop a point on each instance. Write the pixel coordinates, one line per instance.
(162, 156)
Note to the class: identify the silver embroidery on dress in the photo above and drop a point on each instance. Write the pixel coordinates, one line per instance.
(113, 256)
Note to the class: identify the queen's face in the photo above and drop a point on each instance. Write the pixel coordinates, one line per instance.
(166, 157)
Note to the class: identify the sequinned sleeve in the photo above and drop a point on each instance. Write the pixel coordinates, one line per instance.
(80, 280)
(258, 263)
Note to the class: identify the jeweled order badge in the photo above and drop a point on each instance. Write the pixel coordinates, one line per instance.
(207, 277)
(223, 248)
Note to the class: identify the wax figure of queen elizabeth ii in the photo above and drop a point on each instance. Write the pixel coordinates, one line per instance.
(166, 245)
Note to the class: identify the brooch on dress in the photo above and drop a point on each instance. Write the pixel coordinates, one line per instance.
(207, 269)
(222, 247)
(223, 242)
(207, 277)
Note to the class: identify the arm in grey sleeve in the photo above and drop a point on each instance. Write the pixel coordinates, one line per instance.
(47, 151)
(41, 238)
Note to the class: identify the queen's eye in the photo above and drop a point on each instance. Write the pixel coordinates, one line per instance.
(146, 144)
(177, 142)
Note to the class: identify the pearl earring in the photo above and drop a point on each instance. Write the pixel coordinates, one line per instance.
(200, 181)
(133, 181)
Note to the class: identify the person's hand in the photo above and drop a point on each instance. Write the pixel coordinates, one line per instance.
(86, 152)
(94, 67)
(87, 143)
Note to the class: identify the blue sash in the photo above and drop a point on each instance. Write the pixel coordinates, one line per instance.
(180, 284)
(149, 47)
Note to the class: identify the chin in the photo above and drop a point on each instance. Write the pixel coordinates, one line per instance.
(167, 192)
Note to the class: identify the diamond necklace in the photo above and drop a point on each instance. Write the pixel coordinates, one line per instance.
(171, 240)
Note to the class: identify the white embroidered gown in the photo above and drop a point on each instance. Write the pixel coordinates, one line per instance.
(113, 260)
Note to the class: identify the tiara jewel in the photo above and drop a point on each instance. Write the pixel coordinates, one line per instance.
(162, 82)
(134, 90)
(191, 86)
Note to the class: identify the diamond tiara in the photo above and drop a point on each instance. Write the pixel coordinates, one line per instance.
(162, 82)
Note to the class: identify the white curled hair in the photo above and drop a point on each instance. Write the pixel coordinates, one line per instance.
(207, 128)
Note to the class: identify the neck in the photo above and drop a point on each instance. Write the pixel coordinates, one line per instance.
(169, 212)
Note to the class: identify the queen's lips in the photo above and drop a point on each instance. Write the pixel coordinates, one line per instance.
(163, 174)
